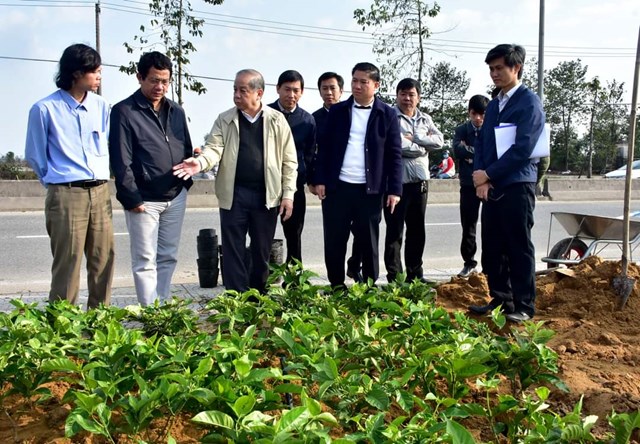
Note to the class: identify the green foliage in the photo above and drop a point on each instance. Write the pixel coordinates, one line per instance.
(565, 100)
(12, 167)
(301, 364)
(174, 22)
(401, 31)
(445, 93)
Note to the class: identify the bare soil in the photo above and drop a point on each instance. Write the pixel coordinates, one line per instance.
(597, 343)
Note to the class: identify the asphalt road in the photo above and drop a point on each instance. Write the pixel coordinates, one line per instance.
(25, 261)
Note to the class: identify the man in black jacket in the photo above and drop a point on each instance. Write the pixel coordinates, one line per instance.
(148, 136)
(303, 127)
(464, 141)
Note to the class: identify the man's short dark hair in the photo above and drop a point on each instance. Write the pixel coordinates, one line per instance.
(407, 84)
(478, 103)
(76, 59)
(331, 75)
(153, 59)
(372, 70)
(513, 55)
(290, 76)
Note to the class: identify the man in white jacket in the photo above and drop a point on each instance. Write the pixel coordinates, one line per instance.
(256, 179)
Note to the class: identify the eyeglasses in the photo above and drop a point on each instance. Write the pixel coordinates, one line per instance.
(163, 82)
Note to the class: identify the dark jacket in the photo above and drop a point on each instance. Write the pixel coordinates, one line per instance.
(525, 111)
(321, 116)
(383, 152)
(303, 128)
(143, 153)
(468, 134)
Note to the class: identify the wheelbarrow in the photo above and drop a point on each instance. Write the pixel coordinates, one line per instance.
(590, 235)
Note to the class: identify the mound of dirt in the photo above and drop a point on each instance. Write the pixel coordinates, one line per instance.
(598, 345)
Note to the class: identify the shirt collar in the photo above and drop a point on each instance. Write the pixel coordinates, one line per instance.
(72, 102)
(370, 104)
(414, 117)
(256, 117)
(143, 102)
(507, 95)
(284, 111)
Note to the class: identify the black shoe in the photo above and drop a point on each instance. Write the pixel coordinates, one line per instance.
(484, 309)
(355, 275)
(518, 317)
(466, 271)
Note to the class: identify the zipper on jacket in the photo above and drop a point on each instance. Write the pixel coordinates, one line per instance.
(164, 132)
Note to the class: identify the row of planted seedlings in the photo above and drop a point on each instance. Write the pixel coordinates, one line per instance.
(301, 364)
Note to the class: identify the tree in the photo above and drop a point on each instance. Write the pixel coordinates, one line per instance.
(610, 127)
(565, 99)
(593, 89)
(530, 74)
(12, 167)
(173, 18)
(401, 33)
(444, 94)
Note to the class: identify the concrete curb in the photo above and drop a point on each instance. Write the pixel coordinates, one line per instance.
(29, 195)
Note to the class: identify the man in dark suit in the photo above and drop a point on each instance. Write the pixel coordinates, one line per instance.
(331, 85)
(507, 186)
(359, 161)
(464, 142)
(290, 88)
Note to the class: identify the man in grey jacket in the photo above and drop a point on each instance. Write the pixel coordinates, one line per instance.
(419, 137)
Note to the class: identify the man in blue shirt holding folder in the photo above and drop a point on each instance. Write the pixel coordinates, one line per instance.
(507, 186)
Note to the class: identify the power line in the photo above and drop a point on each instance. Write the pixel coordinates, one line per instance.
(348, 36)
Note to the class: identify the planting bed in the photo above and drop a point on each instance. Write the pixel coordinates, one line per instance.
(379, 365)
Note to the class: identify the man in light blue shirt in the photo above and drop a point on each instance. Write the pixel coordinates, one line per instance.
(67, 148)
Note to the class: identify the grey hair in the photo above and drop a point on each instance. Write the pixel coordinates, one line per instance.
(256, 82)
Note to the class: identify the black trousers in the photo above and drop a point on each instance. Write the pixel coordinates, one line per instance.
(469, 212)
(293, 226)
(350, 205)
(508, 255)
(248, 214)
(410, 211)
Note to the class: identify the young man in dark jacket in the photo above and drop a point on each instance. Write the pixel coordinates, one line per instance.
(148, 136)
(507, 184)
(290, 88)
(464, 141)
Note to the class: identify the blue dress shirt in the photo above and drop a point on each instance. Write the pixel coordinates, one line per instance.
(67, 140)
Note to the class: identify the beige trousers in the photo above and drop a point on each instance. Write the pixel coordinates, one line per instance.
(79, 221)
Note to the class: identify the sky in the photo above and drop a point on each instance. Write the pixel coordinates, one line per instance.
(309, 36)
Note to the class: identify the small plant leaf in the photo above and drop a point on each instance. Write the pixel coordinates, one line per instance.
(214, 418)
(378, 398)
(243, 405)
(458, 434)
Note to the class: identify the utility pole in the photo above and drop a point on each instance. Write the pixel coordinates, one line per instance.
(98, 38)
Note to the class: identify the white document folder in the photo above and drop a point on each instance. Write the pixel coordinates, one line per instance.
(506, 137)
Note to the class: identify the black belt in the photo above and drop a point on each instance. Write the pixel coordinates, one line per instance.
(83, 183)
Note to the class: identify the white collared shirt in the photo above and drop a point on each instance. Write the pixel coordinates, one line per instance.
(254, 118)
(503, 97)
(353, 163)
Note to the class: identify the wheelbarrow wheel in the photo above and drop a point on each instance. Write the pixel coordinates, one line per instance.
(570, 248)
